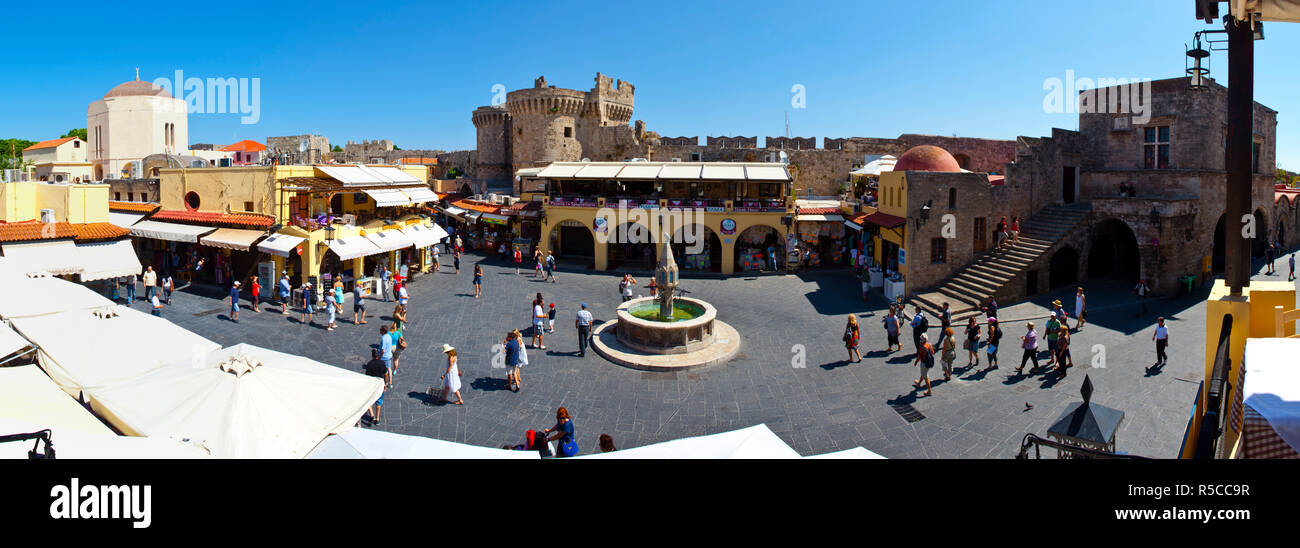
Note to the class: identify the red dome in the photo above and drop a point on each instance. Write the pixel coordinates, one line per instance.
(927, 158)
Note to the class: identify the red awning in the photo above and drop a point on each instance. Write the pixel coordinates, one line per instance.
(885, 220)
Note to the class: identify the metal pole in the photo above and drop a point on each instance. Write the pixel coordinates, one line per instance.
(1241, 80)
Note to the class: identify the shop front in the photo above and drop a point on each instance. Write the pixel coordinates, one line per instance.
(822, 241)
(175, 248)
(233, 251)
(760, 248)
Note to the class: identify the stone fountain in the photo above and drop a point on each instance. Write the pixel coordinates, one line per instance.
(666, 332)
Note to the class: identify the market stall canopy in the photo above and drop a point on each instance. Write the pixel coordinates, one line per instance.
(473, 216)
(111, 344)
(105, 260)
(354, 247)
(53, 256)
(453, 211)
(819, 218)
(1272, 386)
(27, 297)
(755, 442)
(388, 197)
(885, 220)
(241, 402)
(419, 195)
(124, 220)
(69, 443)
(389, 240)
(280, 244)
(360, 443)
(10, 343)
(423, 236)
(28, 394)
(877, 166)
(171, 232)
(494, 218)
(232, 238)
(855, 453)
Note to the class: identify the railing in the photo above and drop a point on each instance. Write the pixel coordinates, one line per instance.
(1035, 442)
(1207, 439)
(573, 201)
(1283, 319)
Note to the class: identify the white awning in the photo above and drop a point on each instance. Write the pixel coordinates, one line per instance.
(389, 240)
(10, 343)
(688, 171)
(388, 197)
(364, 443)
(453, 210)
(640, 172)
(171, 232)
(104, 260)
(53, 256)
(28, 394)
(439, 233)
(560, 171)
(353, 175)
(124, 220)
(767, 173)
(231, 238)
(598, 171)
(280, 244)
(819, 218)
(351, 248)
(423, 236)
(419, 194)
(396, 175)
(723, 172)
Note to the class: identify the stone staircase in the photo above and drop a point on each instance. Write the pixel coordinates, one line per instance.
(993, 272)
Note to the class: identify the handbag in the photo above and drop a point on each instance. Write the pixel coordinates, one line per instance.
(1083, 315)
(401, 342)
(569, 448)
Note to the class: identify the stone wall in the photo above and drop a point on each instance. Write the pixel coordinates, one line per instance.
(288, 149)
(732, 142)
(975, 198)
(974, 154)
(680, 141)
(795, 143)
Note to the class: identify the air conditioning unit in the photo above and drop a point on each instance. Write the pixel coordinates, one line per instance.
(677, 159)
(47, 216)
(1122, 123)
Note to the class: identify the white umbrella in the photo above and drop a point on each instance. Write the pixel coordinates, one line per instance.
(877, 166)
(360, 443)
(755, 442)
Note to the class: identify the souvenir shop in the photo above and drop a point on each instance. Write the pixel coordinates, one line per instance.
(823, 242)
(760, 248)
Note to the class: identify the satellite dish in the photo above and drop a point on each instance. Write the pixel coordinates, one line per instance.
(302, 147)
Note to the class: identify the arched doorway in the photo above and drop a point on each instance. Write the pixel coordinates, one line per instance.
(1063, 269)
(752, 246)
(1114, 252)
(1280, 237)
(1260, 242)
(709, 260)
(1217, 261)
(465, 190)
(572, 240)
(630, 246)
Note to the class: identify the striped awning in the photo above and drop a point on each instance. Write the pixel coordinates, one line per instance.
(279, 244)
(171, 232)
(53, 256)
(105, 260)
(232, 238)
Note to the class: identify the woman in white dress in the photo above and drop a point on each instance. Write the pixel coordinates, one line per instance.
(451, 379)
(1080, 308)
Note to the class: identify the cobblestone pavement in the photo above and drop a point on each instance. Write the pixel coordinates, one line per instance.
(827, 405)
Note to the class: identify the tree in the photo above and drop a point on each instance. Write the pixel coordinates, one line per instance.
(336, 148)
(79, 133)
(395, 147)
(11, 152)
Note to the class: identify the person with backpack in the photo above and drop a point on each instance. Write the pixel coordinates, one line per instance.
(376, 368)
(308, 304)
(550, 319)
(972, 342)
(168, 285)
(919, 324)
(563, 433)
(550, 267)
(924, 360)
(851, 334)
(1142, 290)
(891, 330)
(1051, 331)
(625, 287)
(949, 349)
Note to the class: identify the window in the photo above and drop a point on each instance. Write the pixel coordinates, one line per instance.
(695, 156)
(769, 190)
(248, 206)
(938, 250)
(568, 132)
(1254, 157)
(1155, 147)
(192, 201)
(130, 196)
(76, 144)
(952, 198)
(117, 196)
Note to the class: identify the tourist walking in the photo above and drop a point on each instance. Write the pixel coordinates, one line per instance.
(435, 257)
(386, 347)
(375, 368)
(1030, 344)
(234, 301)
(397, 332)
(539, 324)
(1051, 332)
(130, 290)
(972, 342)
(563, 433)
(256, 288)
(1161, 337)
(519, 260)
(1142, 290)
(157, 305)
(478, 281)
(891, 330)
(285, 291)
(550, 319)
(358, 304)
(332, 308)
(501, 252)
(402, 296)
(1063, 359)
(550, 266)
(1270, 252)
(919, 324)
(924, 360)
(990, 307)
(168, 285)
(949, 349)
(513, 348)
(451, 377)
(1015, 229)
(1080, 308)
(945, 317)
(1001, 232)
(1059, 309)
(150, 279)
(308, 304)
(583, 324)
(460, 246)
(1290, 261)
(456, 261)
(625, 287)
(851, 335)
(995, 339)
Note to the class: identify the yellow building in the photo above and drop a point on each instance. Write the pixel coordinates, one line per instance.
(59, 160)
(610, 212)
(63, 229)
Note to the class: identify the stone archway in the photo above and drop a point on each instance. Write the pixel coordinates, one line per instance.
(713, 243)
(571, 240)
(1063, 269)
(1113, 252)
(630, 245)
(749, 239)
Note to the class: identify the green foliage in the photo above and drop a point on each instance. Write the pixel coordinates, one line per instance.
(395, 147)
(11, 152)
(453, 173)
(336, 148)
(76, 132)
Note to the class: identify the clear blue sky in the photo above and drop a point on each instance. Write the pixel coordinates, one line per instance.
(413, 73)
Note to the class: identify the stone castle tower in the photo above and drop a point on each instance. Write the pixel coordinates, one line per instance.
(546, 124)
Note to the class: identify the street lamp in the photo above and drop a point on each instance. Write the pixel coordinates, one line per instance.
(1155, 218)
(924, 216)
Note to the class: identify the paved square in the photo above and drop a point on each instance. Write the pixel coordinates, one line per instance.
(828, 405)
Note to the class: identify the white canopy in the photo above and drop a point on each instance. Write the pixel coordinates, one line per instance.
(419, 195)
(376, 444)
(855, 453)
(87, 349)
(169, 231)
(388, 197)
(279, 244)
(351, 248)
(104, 260)
(241, 402)
(26, 297)
(28, 394)
(877, 166)
(424, 236)
(1272, 385)
(232, 238)
(755, 442)
(11, 343)
(439, 233)
(53, 256)
(389, 240)
(75, 444)
(124, 220)
(395, 175)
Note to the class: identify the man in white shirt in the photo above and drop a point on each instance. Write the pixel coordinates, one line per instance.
(157, 305)
(539, 320)
(583, 323)
(150, 282)
(1161, 337)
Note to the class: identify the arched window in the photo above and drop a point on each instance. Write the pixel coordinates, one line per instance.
(952, 198)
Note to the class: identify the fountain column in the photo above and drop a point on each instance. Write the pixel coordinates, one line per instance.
(666, 278)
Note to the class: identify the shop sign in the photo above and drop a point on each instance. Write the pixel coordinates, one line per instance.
(601, 224)
(902, 256)
(715, 209)
(728, 226)
(299, 249)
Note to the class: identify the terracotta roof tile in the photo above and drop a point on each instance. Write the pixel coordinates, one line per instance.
(135, 207)
(99, 231)
(247, 145)
(820, 211)
(48, 144)
(476, 206)
(213, 218)
(34, 230)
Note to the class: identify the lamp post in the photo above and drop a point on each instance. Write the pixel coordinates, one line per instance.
(924, 216)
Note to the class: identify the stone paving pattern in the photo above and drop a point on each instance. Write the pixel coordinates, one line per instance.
(828, 405)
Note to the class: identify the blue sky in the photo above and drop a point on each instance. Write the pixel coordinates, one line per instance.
(412, 73)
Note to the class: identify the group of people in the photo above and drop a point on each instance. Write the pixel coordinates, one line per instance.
(1007, 234)
(1271, 253)
(157, 291)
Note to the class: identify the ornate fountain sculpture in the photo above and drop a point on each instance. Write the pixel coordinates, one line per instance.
(666, 278)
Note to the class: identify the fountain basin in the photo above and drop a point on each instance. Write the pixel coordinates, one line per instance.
(640, 328)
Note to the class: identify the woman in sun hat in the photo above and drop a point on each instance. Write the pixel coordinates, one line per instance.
(451, 378)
